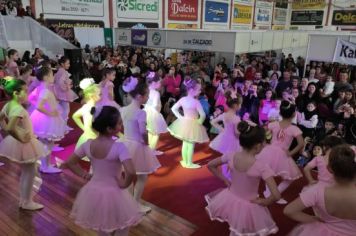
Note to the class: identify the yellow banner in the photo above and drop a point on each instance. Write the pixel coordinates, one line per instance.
(182, 26)
(278, 27)
(308, 4)
(242, 14)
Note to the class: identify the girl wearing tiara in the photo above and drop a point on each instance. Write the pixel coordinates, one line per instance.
(63, 87)
(277, 155)
(237, 204)
(136, 137)
(335, 204)
(91, 93)
(47, 122)
(21, 145)
(155, 121)
(107, 88)
(188, 127)
(104, 204)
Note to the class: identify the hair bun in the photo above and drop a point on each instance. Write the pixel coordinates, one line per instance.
(285, 105)
(92, 111)
(243, 127)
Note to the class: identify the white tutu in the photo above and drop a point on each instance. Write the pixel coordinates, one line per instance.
(188, 130)
(155, 121)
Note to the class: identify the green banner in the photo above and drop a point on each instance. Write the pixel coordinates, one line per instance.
(108, 36)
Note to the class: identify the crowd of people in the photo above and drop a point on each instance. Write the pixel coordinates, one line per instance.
(266, 116)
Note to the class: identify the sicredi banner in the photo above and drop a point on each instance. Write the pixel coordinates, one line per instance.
(73, 7)
(183, 10)
(216, 12)
(344, 17)
(138, 9)
(345, 52)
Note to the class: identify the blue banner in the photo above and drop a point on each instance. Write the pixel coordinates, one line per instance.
(139, 37)
(216, 12)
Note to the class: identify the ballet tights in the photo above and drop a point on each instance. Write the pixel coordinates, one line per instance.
(28, 172)
(187, 155)
(139, 187)
(122, 232)
(281, 187)
(153, 140)
(46, 161)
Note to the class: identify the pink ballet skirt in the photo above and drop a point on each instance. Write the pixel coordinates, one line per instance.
(280, 163)
(232, 205)
(155, 121)
(189, 130)
(17, 151)
(105, 100)
(143, 157)
(101, 204)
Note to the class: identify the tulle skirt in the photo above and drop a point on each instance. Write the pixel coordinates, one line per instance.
(317, 229)
(52, 128)
(155, 121)
(103, 206)
(244, 218)
(225, 142)
(188, 130)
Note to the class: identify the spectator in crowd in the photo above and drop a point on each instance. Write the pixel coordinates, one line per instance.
(11, 9)
(29, 12)
(3, 8)
(42, 20)
(285, 84)
(20, 10)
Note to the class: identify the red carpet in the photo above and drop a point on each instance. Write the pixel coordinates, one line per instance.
(182, 191)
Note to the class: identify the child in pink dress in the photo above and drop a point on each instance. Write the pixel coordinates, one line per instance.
(107, 88)
(136, 137)
(156, 124)
(277, 154)
(335, 204)
(239, 204)
(47, 121)
(104, 204)
(12, 68)
(321, 162)
(63, 87)
(21, 145)
(266, 106)
(188, 127)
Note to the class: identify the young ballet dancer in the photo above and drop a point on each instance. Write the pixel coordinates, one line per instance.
(12, 68)
(238, 204)
(188, 127)
(107, 88)
(136, 137)
(20, 145)
(335, 204)
(104, 204)
(63, 87)
(321, 162)
(91, 92)
(47, 121)
(156, 124)
(277, 155)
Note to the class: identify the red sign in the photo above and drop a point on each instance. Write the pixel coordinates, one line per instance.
(183, 10)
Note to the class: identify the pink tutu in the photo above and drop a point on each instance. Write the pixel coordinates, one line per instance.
(143, 157)
(225, 142)
(103, 206)
(52, 128)
(20, 152)
(317, 229)
(155, 121)
(188, 130)
(276, 158)
(244, 218)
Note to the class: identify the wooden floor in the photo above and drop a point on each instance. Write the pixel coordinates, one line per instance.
(57, 193)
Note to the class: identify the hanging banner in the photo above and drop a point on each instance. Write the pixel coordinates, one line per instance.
(308, 4)
(137, 25)
(307, 17)
(182, 26)
(242, 14)
(183, 10)
(345, 52)
(138, 9)
(279, 16)
(282, 4)
(156, 38)
(73, 7)
(123, 36)
(247, 2)
(344, 17)
(263, 12)
(139, 37)
(216, 12)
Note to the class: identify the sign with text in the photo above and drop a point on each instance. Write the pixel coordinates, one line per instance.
(344, 17)
(345, 52)
(123, 36)
(156, 38)
(136, 25)
(308, 4)
(279, 16)
(183, 10)
(242, 14)
(182, 26)
(247, 2)
(138, 9)
(307, 17)
(73, 7)
(216, 12)
(139, 37)
(263, 12)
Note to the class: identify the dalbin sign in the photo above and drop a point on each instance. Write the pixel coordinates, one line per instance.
(216, 12)
(345, 52)
(183, 10)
